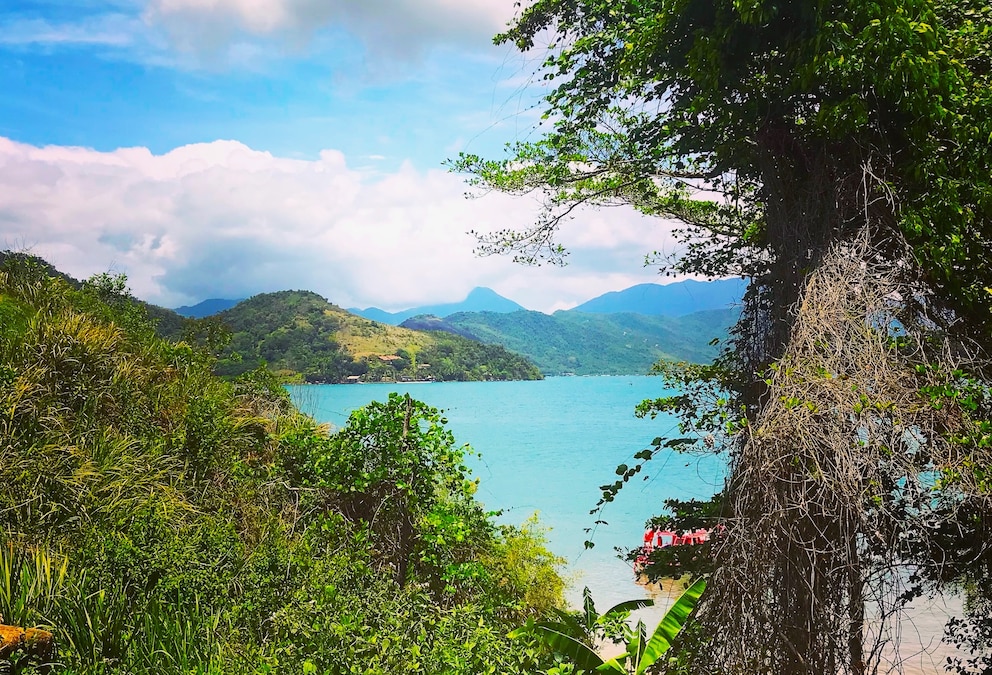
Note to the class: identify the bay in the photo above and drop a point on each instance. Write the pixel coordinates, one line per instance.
(546, 446)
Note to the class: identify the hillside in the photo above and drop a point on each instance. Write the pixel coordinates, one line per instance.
(300, 334)
(156, 520)
(431, 322)
(676, 299)
(167, 323)
(599, 344)
(479, 300)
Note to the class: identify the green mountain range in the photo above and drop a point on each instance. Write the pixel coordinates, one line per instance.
(675, 299)
(303, 336)
(570, 342)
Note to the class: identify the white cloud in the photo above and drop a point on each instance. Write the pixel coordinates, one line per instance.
(386, 27)
(222, 220)
(108, 30)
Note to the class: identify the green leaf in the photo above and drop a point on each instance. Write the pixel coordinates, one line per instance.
(628, 606)
(614, 665)
(575, 651)
(568, 624)
(588, 608)
(671, 624)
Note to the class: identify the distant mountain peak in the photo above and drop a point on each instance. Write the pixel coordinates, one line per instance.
(480, 292)
(479, 299)
(207, 307)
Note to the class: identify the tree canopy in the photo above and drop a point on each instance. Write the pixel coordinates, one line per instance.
(769, 104)
(836, 153)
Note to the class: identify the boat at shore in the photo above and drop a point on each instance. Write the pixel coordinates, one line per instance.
(655, 539)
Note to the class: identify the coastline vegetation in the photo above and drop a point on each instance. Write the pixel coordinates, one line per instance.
(158, 519)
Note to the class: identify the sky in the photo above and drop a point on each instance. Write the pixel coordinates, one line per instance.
(223, 148)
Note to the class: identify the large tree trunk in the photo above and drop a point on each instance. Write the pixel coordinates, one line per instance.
(797, 560)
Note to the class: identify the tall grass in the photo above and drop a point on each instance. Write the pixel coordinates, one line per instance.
(31, 582)
(97, 425)
(116, 630)
(103, 630)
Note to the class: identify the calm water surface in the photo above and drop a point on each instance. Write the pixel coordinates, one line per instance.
(545, 447)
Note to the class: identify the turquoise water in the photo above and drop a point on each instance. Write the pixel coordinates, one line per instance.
(545, 447)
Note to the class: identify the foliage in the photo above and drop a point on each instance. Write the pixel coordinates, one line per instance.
(573, 637)
(160, 520)
(30, 580)
(847, 143)
(454, 358)
(396, 469)
(524, 572)
(972, 636)
(674, 562)
(651, 98)
(349, 620)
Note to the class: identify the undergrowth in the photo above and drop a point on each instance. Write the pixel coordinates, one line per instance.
(159, 520)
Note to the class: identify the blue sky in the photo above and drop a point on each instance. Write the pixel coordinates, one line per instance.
(219, 148)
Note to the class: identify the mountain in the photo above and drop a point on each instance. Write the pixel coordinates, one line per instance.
(599, 344)
(431, 322)
(479, 300)
(206, 308)
(677, 299)
(302, 336)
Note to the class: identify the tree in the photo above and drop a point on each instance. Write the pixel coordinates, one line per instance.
(396, 469)
(849, 145)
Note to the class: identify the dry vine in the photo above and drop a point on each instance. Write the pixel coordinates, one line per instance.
(834, 477)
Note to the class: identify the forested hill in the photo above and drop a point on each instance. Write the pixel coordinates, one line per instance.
(302, 335)
(168, 323)
(594, 344)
